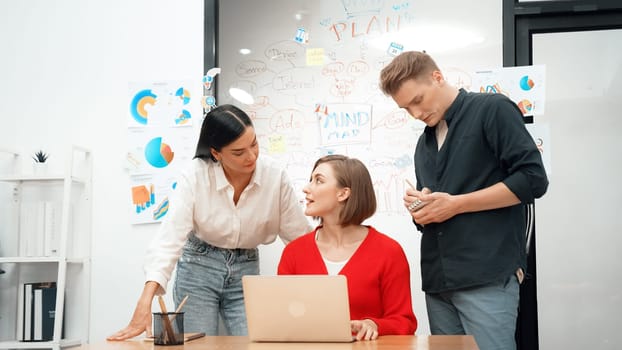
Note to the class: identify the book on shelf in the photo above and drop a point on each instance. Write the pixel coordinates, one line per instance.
(37, 314)
(39, 228)
(51, 229)
(27, 319)
(19, 331)
(31, 227)
(38, 311)
(48, 310)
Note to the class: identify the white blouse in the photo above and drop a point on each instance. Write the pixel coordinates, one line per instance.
(203, 204)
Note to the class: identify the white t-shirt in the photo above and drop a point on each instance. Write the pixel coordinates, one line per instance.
(333, 267)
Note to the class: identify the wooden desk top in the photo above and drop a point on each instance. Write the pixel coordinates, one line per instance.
(391, 342)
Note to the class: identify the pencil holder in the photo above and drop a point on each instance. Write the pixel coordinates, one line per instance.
(168, 328)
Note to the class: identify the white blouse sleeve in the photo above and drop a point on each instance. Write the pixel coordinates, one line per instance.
(293, 222)
(165, 248)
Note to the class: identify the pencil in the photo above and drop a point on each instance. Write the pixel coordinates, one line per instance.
(182, 304)
(179, 308)
(410, 184)
(162, 304)
(169, 334)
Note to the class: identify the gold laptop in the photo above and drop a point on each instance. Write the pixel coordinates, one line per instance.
(297, 308)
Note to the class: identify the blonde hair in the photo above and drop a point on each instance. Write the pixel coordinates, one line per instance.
(407, 65)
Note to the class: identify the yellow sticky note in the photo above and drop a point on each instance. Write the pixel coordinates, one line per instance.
(315, 57)
(276, 144)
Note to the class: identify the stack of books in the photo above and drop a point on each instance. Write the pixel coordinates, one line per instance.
(37, 311)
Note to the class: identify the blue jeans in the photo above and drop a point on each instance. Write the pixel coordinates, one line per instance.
(212, 278)
(488, 313)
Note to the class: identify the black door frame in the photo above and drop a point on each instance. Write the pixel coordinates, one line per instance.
(210, 38)
(523, 19)
(520, 21)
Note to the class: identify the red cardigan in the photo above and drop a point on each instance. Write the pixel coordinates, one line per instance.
(378, 279)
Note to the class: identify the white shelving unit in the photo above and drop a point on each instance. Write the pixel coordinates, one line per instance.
(69, 267)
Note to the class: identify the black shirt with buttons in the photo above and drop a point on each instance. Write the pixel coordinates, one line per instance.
(487, 143)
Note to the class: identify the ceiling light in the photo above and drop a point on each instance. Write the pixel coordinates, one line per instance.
(430, 37)
(241, 96)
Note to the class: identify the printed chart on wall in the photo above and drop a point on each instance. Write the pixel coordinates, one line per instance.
(313, 68)
(161, 140)
(526, 86)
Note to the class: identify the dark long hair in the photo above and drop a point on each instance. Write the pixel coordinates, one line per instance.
(221, 126)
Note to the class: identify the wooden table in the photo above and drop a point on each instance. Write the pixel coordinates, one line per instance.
(390, 342)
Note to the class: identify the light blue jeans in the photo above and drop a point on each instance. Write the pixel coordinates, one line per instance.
(488, 313)
(212, 278)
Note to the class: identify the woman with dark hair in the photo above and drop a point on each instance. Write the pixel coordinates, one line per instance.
(230, 201)
(341, 194)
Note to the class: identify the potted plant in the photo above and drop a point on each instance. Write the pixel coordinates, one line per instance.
(40, 159)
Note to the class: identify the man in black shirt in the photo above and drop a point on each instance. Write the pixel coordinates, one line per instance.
(476, 166)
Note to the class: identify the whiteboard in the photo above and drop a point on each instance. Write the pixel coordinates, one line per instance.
(313, 71)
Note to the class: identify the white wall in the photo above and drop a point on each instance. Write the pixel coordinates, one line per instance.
(64, 73)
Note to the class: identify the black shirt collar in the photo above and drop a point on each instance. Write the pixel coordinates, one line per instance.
(452, 111)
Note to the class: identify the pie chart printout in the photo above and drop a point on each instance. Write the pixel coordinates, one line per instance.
(158, 154)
